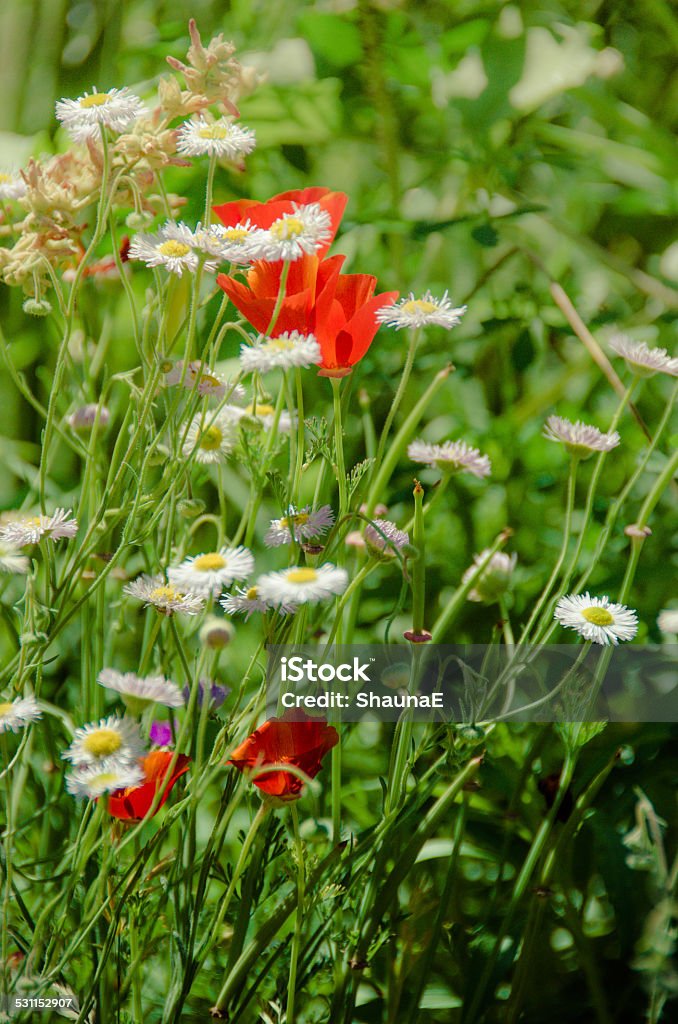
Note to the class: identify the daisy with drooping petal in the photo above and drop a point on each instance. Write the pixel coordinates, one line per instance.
(450, 457)
(667, 621)
(579, 438)
(261, 414)
(111, 737)
(31, 529)
(85, 417)
(305, 230)
(211, 437)
(495, 578)
(241, 243)
(198, 376)
(247, 600)
(105, 776)
(304, 525)
(220, 138)
(641, 359)
(138, 692)
(11, 559)
(83, 118)
(173, 248)
(302, 585)
(168, 599)
(597, 618)
(413, 312)
(12, 186)
(18, 713)
(210, 573)
(383, 539)
(287, 351)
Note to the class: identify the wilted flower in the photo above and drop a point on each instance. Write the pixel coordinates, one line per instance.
(85, 417)
(304, 525)
(208, 382)
(597, 618)
(494, 579)
(383, 539)
(413, 312)
(579, 438)
(450, 457)
(16, 714)
(31, 529)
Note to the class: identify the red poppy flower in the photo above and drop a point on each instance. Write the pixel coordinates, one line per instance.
(262, 215)
(133, 804)
(339, 309)
(295, 738)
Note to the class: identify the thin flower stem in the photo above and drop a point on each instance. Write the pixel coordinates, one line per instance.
(209, 187)
(299, 917)
(339, 447)
(415, 334)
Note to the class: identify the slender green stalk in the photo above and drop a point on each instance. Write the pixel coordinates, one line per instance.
(299, 920)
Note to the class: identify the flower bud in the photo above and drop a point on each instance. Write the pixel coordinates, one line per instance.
(216, 633)
(37, 307)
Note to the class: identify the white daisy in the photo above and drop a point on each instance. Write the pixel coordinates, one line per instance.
(11, 559)
(302, 585)
(240, 243)
(12, 186)
(111, 737)
(138, 692)
(263, 414)
(31, 529)
(173, 248)
(16, 714)
(579, 438)
(85, 417)
(211, 573)
(304, 230)
(219, 138)
(246, 600)
(382, 536)
(412, 312)
(642, 360)
(668, 621)
(495, 578)
(115, 109)
(304, 525)
(450, 457)
(168, 599)
(597, 618)
(285, 352)
(208, 382)
(211, 437)
(106, 776)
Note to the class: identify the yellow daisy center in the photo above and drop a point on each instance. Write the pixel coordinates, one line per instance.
(97, 99)
(102, 743)
(419, 306)
(210, 439)
(300, 519)
(252, 594)
(281, 344)
(5, 709)
(105, 779)
(235, 234)
(287, 227)
(598, 616)
(207, 378)
(162, 594)
(173, 248)
(211, 561)
(4, 178)
(260, 410)
(213, 131)
(302, 576)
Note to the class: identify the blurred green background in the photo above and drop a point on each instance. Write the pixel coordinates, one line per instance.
(487, 148)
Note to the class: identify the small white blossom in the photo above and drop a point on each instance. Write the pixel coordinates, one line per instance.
(31, 529)
(220, 138)
(304, 230)
(579, 438)
(12, 186)
(211, 437)
(450, 457)
(11, 559)
(494, 579)
(247, 600)
(168, 599)
(142, 691)
(200, 378)
(383, 538)
(641, 359)
(668, 621)
(16, 714)
(263, 414)
(287, 351)
(107, 776)
(111, 737)
(413, 312)
(302, 585)
(597, 618)
(305, 525)
(83, 118)
(173, 248)
(210, 573)
(240, 243)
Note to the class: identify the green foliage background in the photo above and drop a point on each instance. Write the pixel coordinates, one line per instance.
(488, 149)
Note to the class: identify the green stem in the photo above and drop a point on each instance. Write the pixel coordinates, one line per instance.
(402, 386)
(339, 447)
(299, 919)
